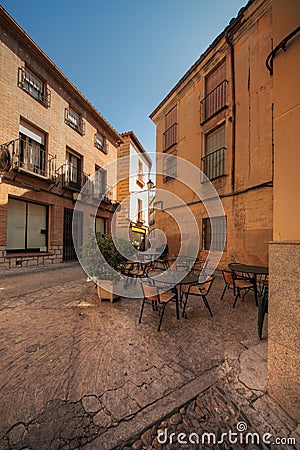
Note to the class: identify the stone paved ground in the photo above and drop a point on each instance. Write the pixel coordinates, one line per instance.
(76, 373)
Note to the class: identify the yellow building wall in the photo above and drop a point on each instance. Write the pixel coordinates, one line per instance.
(247, 199)
(284, 305)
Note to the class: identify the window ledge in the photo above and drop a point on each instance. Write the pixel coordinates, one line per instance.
(26, 254)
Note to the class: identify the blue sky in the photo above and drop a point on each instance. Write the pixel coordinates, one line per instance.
(124, 55)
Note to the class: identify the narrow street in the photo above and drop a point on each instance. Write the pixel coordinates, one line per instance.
(77, 373)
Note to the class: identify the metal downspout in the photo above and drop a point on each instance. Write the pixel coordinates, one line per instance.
(233, 136)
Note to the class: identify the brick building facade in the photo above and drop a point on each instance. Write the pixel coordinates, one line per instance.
(51, 140)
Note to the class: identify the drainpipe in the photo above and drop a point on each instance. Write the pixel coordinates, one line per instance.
(233, 135)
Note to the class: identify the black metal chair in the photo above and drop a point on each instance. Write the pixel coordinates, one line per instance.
(200, 289)
(238, 285)
(158, 300)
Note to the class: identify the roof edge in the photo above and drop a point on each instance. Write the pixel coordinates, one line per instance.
(137, 142)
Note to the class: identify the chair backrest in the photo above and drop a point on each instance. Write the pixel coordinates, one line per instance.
(206, 285)
(228, 276)
(150, 292)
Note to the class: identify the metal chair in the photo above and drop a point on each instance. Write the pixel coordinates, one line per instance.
(201, 289)
(238, 285)
(157, 299)
(262, 308)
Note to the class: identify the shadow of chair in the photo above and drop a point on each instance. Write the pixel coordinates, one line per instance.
(200, 289)
(158, 300)
(237, 285)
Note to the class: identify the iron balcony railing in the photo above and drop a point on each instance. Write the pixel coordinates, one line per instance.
(31, 157)
(72, 177)
(95, 188)
(75, 121)
(214, 101)
(170, 136)
(99, 189)
(214, 164)
(34, 86)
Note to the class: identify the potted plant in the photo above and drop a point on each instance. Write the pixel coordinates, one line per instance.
(105, 271)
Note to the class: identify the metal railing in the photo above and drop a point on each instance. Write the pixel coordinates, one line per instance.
(214, 101)
(75, 121)
(170, 136)
(71, 177)
(32, 158)
(214, 163)
(34, 86)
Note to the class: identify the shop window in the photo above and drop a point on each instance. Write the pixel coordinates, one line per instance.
(26, 226)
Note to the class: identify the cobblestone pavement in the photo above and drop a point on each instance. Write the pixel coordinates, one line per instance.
(76, 373)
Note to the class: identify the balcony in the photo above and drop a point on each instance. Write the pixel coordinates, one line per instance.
(214, 164)
(72, 178)
(33, 86)
(214, 102)
(102, 191)
(32, 158)
(75, 121)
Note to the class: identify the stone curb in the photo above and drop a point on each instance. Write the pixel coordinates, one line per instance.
(114, 438)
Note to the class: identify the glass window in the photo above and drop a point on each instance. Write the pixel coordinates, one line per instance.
(100, 181)
(170, 134)
(74, 120)
(26, 226)
(170, 165)
(214, 159)
(100, 225)
(32, 84)
(100, 142)
(73, 171)
(32, 153)
(214, 233)
(215, 91)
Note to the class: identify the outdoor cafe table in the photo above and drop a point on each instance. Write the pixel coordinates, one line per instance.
(253, 272)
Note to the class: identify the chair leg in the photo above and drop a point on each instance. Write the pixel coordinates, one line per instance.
(142, 309)
(161, 316)
(224, 291)
(207, 304)
(177, 306)
(184, 306)
(235, 299)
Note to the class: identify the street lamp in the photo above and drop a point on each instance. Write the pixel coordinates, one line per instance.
(150, 184)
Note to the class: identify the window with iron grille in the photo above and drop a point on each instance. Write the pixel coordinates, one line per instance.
(215, 92)
(214, 233)
(100, 143)
(214, 159)
(74, 120)
(100, 181)
(32, 154)
(27, 226)
(170, 165)
(32, 84)
(170, 134)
